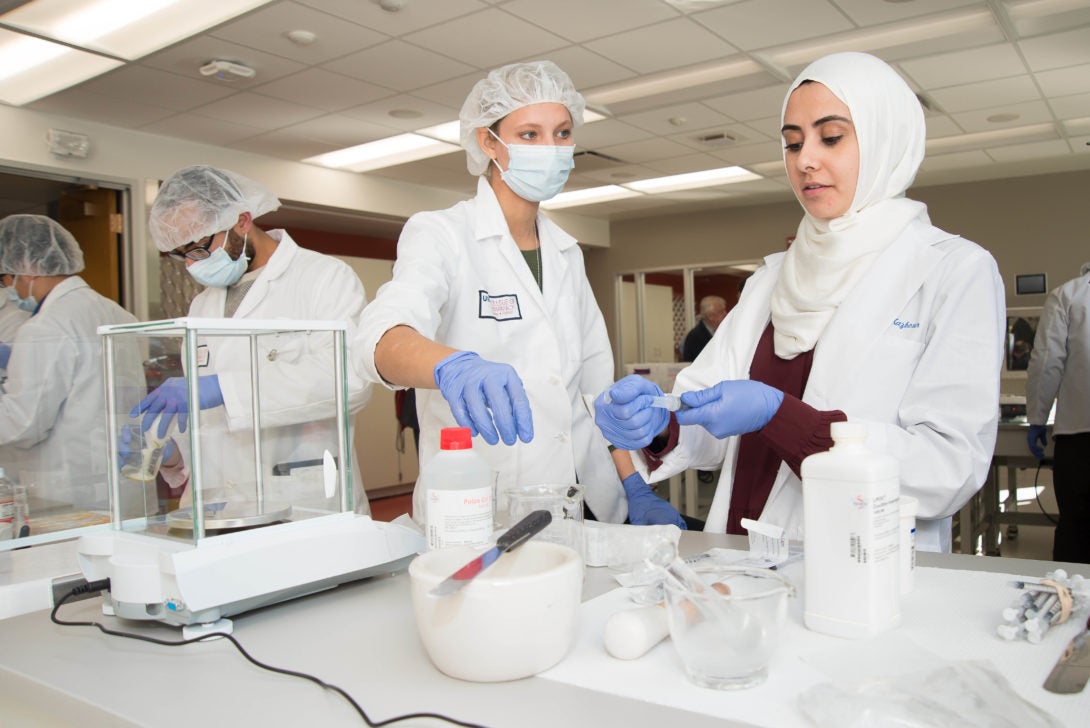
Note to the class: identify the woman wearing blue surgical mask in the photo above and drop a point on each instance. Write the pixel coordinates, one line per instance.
(489, 313)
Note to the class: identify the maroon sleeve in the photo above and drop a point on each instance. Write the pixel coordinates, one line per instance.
(798, 430)
(660, 446)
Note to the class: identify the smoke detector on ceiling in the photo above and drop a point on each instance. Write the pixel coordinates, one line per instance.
(227, 70)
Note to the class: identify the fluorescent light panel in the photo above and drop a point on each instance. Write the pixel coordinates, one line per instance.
(387, 152)
(982, 139)
(693, 180)
(658, 83)
(589, 196)
(31, 68)
(127, 29)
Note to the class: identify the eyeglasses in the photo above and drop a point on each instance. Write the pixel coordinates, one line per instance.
(198, 252)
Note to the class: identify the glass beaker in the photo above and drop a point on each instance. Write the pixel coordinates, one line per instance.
(564, 502)
(143, 450)
(726, 624)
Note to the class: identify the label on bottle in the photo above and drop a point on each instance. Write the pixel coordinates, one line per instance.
(458, 517)
(7, 518)
(873, 532)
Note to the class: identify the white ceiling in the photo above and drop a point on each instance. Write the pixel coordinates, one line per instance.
(1008, 87)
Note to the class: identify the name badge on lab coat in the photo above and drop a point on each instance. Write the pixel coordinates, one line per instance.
(504, 307)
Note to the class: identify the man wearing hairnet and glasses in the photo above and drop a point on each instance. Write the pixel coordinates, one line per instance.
(204, 217)
(53, 402)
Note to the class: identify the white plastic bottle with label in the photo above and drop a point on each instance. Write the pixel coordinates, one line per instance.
(851, 517)
(457, 485)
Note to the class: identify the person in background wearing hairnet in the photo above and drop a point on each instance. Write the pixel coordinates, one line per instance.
(489, 313)
(1059, 372)
(204, 216)
(53, 405)
(872, 315)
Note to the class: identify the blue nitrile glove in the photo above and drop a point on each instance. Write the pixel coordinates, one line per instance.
(732, 407)
(5, 354)
(647, 509)
(625, 416)
(128, 445)
(170, 400)
(1037, 434)
(480, 392)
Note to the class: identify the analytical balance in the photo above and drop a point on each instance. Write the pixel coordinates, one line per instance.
(254, 501)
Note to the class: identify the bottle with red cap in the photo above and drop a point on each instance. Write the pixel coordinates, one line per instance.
(457, 484)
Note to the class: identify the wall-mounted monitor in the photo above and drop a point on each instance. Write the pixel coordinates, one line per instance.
(1030, 283)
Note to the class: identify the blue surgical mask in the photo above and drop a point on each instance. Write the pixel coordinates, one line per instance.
(28, 304)
(536, 172)
(218, 270)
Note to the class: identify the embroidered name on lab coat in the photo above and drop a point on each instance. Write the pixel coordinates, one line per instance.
(504, 307)
(906, 324)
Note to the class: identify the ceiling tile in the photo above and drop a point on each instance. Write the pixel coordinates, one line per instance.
(341, 131)
(646, 150)
(942, 126)
(684, 164)
(266, 30)
(487, 39)
(869, 12)
(323, 89)
(414, 15)
(671, 44)
(750, 25)
(202, 129)
(82, 104)
(398, 65)
(1065, 81)
(751, 153)
(685, 116)
(607, 132)
(1071, 107)
(588, 69)
(1030, 112)
(618, 174)
(986, 94)
(447, 171)
(1057, 50)
(284, 144)
(579, 20)
(755, 104)
(450, 93)
(1030, 151)
(961, 67)
(262, 112)
(152, 86)
(1080, 145)
(378, 112)
(187, 58)
(695, 139)
(956, 160)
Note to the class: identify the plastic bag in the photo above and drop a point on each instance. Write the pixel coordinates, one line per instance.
(966, 694)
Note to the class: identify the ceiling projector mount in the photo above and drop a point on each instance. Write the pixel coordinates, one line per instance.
(227, 70)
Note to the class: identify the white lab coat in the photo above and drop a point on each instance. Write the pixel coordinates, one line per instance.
(914, 352)
(461, 280)
(11, 318)
(53, 409)
(296, 378)
(1059, 365)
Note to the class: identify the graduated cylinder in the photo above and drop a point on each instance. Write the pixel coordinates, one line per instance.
(851, 518)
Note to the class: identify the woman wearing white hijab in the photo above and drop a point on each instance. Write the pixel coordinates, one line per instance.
(873, 314)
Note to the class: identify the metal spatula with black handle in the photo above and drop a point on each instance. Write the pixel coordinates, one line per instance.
(1073, 668)
(517, 535)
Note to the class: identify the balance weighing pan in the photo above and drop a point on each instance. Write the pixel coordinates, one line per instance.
(230, 514)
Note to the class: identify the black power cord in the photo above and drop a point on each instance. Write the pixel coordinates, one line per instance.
(1037, 491)
(104, 585)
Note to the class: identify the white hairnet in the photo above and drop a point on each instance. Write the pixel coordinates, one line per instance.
(35, 245)
(200, 201)
(508, 89)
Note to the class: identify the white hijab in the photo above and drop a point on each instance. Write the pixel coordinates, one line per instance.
(829, 257)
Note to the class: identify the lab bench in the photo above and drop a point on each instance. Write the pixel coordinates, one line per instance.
(984, 515)
(360, 636)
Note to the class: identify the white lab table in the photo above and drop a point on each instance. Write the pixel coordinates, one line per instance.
(359, 636)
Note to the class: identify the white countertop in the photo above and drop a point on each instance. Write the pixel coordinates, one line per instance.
(360, 636)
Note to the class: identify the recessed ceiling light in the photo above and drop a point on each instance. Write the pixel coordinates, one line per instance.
(589, 196)
(387, 152)
(692, 180)
(1003, 118)
(301, 37)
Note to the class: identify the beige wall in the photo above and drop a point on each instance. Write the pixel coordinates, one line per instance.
(1030, 224)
